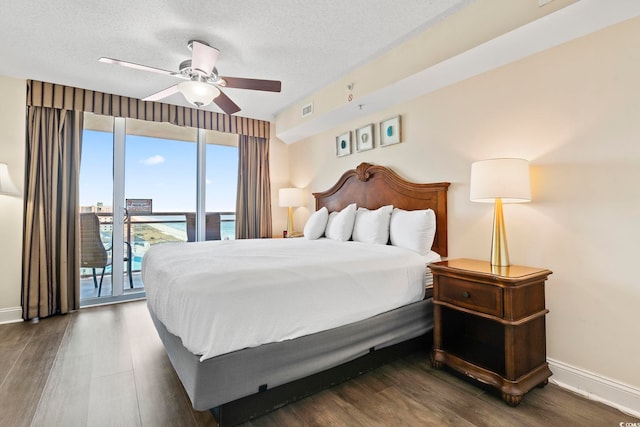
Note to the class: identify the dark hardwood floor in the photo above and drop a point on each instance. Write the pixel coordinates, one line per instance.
(106, 366)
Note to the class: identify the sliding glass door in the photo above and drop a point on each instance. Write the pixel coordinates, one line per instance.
(151, 183)
(96, 210)
(221, 180)
(159, 188)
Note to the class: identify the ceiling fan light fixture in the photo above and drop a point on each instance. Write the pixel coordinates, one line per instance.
(198, 93)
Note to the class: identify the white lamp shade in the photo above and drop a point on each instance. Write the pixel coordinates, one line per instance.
(197, 93)
(6, 185)
(505, 179)
(290, 197)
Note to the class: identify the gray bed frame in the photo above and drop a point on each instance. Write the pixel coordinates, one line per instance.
(244, 384)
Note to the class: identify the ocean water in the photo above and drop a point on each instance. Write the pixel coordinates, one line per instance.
(227, 232)
(227, 228)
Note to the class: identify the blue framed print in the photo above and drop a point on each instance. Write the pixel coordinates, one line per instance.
(343, 144)
(390, 131)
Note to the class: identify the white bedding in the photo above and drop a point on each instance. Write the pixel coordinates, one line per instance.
(222, 296)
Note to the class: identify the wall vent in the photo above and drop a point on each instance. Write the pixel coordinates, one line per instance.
(307, 110)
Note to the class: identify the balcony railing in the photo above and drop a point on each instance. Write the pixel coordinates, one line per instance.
(144, 230)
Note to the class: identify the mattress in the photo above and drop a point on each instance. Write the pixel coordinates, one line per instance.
(277, 289)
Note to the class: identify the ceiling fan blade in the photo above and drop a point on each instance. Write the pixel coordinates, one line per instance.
(162, 94)
(254, 84)
(226, 104)
(135, 66)
(203, 57)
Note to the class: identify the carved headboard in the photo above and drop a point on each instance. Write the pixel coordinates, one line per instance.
(372, 186)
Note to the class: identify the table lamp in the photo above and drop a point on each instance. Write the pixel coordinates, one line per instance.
(500, 181)
(6, 185)
(290, 198)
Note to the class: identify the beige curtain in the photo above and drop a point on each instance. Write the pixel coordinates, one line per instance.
(51, 257)
(253, 205)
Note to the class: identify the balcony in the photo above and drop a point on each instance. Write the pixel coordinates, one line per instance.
(141, 232)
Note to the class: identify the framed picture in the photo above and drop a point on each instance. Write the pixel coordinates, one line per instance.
(390, 131)
(343, 144)
(364, 138)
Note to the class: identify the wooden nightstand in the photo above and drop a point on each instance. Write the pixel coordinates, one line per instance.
(490, 324)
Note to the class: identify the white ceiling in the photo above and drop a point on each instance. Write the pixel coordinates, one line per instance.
(305, 44)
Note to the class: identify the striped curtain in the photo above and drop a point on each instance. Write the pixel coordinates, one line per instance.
(253, 204)
(51, 95)
(51, 254)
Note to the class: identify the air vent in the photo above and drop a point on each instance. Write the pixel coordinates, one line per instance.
(307, 110)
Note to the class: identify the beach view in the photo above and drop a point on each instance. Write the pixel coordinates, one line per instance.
(160, 173)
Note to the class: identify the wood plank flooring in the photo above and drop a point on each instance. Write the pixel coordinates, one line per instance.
(105, 366)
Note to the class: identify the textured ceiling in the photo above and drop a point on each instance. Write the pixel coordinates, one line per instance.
(305, 44)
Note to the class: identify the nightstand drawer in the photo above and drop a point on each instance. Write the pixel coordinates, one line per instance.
(483, 298)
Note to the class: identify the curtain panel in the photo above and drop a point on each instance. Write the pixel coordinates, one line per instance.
(253, 203)
(41, 94)
(51, 253)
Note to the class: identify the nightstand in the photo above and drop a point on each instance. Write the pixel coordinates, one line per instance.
(490, 324)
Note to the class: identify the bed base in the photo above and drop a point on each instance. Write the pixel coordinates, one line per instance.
(232, 376)
(267, 400)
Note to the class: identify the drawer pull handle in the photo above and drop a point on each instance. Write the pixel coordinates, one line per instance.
(465, 294)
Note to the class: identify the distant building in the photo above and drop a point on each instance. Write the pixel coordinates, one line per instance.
(97, 208)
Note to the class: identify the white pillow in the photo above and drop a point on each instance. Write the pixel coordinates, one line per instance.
(413, 230)
(340, 224)
(317, 222)
(372, 226)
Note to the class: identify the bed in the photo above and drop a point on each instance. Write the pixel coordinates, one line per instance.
(235, 353)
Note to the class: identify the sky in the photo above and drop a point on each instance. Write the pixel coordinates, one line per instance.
(159, 169)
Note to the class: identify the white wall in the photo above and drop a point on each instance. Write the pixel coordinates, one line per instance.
(574, 112)
(279, 171)
(12, 151)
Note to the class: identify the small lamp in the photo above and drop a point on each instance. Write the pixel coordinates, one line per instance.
(500, 181)
(290, 198)
(6, 185)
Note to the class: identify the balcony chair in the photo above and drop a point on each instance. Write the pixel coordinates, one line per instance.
(212, 226)
(93, 254)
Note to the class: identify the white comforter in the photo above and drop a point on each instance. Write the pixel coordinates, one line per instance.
(223, 296)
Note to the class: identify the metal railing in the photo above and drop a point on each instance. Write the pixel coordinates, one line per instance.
(144, 230)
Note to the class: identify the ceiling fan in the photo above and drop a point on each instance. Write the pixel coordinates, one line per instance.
(202, 83)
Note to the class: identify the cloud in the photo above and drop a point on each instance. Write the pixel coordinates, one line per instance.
(208, 181)
(154, 160)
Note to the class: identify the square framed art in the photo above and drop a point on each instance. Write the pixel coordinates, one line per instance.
(364, 138)
(343, 144)
(390, 131)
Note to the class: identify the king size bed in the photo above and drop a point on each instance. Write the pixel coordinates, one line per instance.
(251, 325)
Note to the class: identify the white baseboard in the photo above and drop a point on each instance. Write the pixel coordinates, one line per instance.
(10, 315)
(596, 387)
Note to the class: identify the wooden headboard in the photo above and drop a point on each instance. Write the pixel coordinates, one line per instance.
(372, 186)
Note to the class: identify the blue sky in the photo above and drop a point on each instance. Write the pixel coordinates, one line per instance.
(160, 169)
